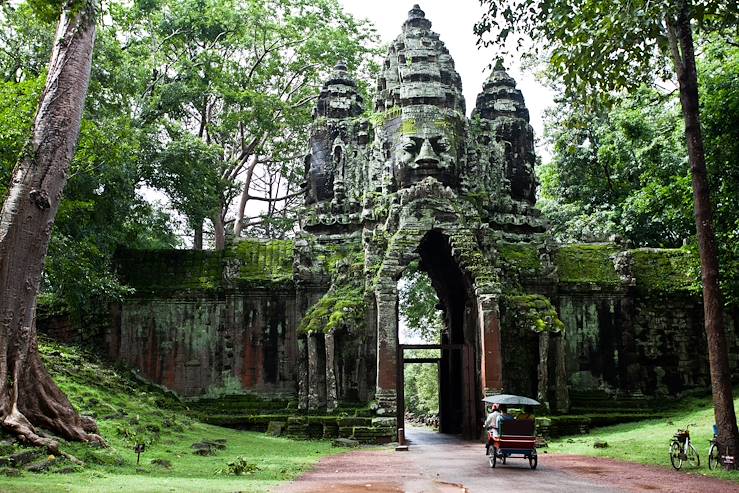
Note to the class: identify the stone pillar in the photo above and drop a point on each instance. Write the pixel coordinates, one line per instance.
(331, 390)
(316, 373)
(562, 393)
(491, 360)
(302, 369)
(387, 349)
(542, 390)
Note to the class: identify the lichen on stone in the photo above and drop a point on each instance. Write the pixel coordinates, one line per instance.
(532, 311)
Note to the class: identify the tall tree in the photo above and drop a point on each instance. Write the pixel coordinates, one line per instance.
(240, 78)
(618, 171)
(100, 210)
(28, 395)
(598, 46)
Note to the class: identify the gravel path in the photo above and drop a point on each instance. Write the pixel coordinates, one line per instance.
(439, 463)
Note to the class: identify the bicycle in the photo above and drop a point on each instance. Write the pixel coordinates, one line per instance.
(714, 457)
(681, 449)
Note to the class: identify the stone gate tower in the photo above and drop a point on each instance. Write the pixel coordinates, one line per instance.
(412, 180)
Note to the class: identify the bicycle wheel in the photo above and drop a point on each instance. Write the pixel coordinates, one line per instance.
(677, 462)
(693, 458)
(714, 460)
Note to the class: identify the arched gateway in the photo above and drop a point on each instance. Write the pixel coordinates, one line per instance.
(416, 180)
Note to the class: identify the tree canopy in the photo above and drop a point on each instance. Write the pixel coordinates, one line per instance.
(256, 66)
(594, 47)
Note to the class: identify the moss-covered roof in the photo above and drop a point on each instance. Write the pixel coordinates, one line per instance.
(656, 270)
(587, 264)
(660, 270)
(250, 262)
(263, 260)
(524, 256)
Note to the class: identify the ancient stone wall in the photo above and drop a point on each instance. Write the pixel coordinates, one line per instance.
(243, 340)
(210, 322)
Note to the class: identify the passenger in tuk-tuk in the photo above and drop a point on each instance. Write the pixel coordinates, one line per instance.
(527, 414)
(504, 416)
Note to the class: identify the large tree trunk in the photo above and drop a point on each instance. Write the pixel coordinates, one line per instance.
(28, 396)
(684, 57)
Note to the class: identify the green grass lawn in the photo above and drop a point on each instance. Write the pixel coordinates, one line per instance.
(128, 413)
(647, 442)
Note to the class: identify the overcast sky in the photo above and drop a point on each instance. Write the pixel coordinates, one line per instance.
(453, 20)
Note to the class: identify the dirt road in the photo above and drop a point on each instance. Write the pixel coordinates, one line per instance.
(439, 463)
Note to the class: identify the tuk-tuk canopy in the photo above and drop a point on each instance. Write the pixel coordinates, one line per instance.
(510, 400)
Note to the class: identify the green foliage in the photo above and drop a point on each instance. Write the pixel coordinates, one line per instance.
(421, 318)
(719, 77)
(419, 302)
(534, 312)
(18, 102)
(619, 172)
(623, 171)
(128, 412)
(187, 168)
(232, 91)
(595, 47)
(584, 44)
(238, 466)
(422, 386)
(25, 43)
(100, 209)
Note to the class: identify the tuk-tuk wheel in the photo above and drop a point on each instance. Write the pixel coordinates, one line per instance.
(533, 461)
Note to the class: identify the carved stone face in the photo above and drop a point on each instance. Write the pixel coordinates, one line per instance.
(424, 149)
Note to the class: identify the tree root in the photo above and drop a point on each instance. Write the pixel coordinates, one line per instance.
(34, 400)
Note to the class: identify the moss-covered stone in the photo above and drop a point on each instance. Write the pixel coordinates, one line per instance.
(587, 264)
(666, 270)
(263, 260)
(523, 256)
(266, 263)
(344, 305)
(169, 270)
(533, 311)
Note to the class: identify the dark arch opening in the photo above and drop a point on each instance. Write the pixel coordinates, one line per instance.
(457, 395)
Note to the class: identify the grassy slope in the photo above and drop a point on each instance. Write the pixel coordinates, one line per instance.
(127, 413)
(647, 442)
